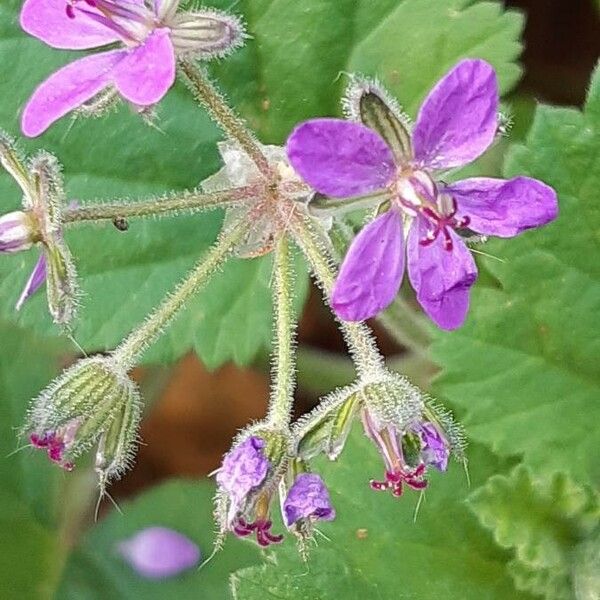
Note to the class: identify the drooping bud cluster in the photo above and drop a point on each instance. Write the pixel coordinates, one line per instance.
(92, 403)
(40, 223)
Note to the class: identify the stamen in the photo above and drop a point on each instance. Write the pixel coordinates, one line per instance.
(262, 528)
(394, 481)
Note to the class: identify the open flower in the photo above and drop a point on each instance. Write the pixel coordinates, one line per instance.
(152, 34)
(457, 122)
(247, 480)
(40, 223)
(307, 500)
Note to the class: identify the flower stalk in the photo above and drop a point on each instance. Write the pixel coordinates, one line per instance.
(173, 204)
(358, 337)
(284, 359)
(135, 344)
(234, 127)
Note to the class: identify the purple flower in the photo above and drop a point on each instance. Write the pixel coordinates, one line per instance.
(158, 552)
(308, 498)
(242, 480)
(456, 123)
(390, 442)
(152, 36)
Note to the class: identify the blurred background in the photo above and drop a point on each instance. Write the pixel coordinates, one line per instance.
(195, 413)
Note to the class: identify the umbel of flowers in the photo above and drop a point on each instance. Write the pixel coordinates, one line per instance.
(274, 198)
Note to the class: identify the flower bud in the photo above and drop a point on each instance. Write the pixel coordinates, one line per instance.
(92, 402)
(205, 34)
(248, 478)
(17, 231)
(40, 223)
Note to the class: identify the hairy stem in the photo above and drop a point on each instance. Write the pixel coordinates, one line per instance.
(134, 345)
(175, 203)
(224, 115)
(361, 344)
(284, 359)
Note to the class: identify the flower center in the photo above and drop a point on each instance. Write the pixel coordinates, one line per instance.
(131, 22)
(395, 479)
(418, 195)
(262, 529)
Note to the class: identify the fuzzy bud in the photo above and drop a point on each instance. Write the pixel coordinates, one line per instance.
(205, 34)
(93, 402)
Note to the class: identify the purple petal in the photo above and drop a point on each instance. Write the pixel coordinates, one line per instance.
(504, 207)
(148, 71)
(35, 281)
(442, 278)
(308, 498)
(67, 89)
(158, 552)
(372, 270)
(435, 448)
(459, 118)
(339, 158)
(244, 468)
(47, 20)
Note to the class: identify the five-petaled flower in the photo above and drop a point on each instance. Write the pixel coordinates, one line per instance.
(153, 35)
(457, 122)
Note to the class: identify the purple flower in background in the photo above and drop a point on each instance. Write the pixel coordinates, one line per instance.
(158, 552)
(308, 498)
(457, 122)
(152, 34)
(242, 476)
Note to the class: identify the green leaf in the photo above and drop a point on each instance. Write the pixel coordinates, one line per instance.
(30, 552)
(544, 522)
(96, 571)
(524, 368)
(374, 549)
(289, 71)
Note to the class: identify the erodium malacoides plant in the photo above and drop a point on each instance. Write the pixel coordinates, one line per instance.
(277, 200)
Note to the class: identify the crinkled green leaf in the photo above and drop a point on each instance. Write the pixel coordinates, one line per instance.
(543, 522)
(288, 71)
(375, 549)
(96, 571)
(524, 369)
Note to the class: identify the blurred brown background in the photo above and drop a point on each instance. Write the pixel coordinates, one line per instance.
(197, 413)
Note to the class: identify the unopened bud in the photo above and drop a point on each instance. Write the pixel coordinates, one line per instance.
(17, 231)
(205, 34)
(91, 402)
